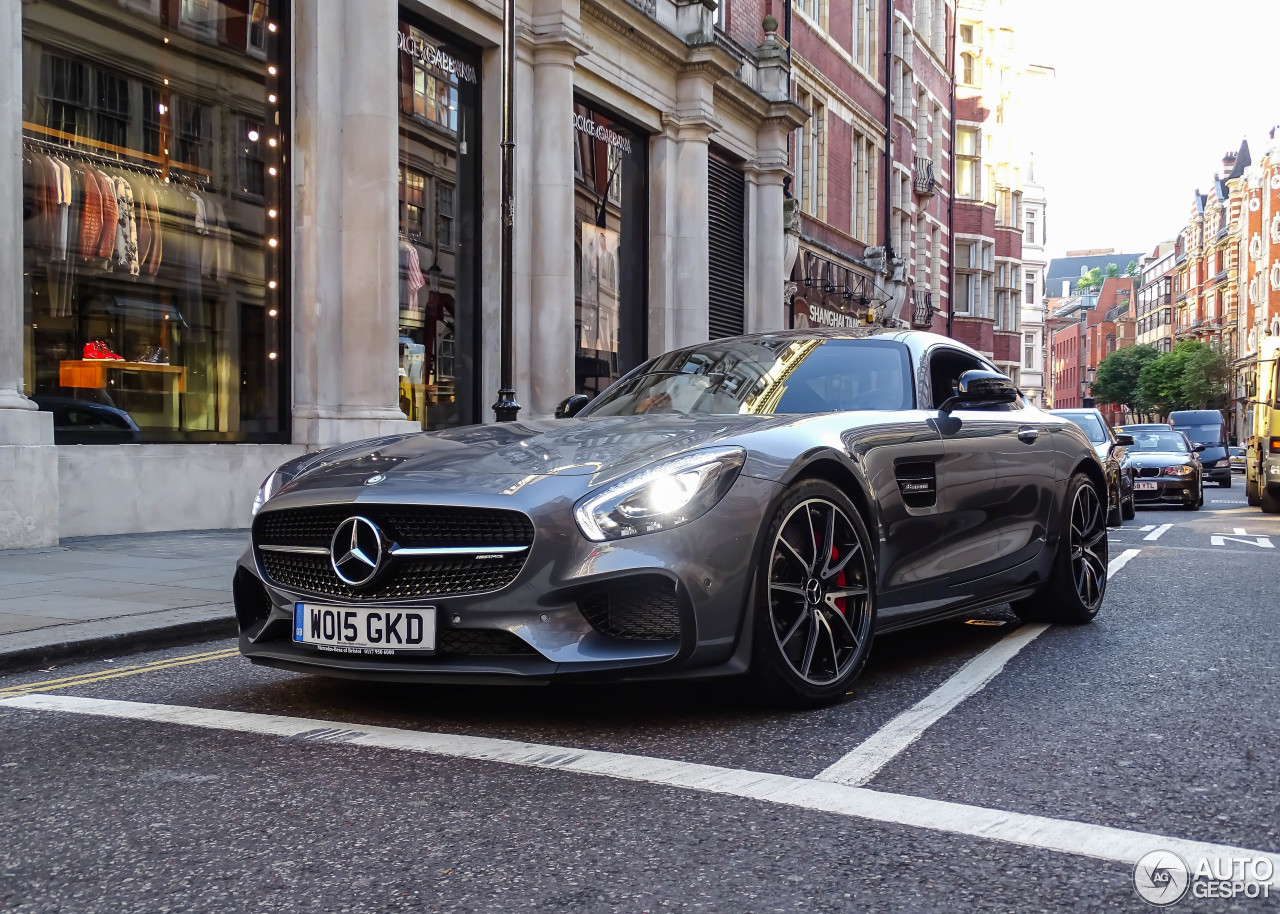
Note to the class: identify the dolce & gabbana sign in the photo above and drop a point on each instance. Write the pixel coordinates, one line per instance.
(584, 124)
(432, 56)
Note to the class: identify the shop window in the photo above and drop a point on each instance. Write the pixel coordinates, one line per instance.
(610, 238)
(153, 283)
(440, 333)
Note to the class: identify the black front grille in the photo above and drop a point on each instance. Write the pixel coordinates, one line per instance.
(407, 525)
(409, 577)
(406, 579)
(1149, 471)
(644, 609)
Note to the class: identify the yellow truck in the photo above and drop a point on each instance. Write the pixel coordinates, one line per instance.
(1262, 459)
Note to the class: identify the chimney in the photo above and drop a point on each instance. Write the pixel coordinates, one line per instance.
(1228, 163)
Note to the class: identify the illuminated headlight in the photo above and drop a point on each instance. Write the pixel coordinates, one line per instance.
(1179, 471)
(665, 495)
(270, 486)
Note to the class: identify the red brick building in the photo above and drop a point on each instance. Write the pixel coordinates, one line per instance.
(1085, 331)
(872, 166)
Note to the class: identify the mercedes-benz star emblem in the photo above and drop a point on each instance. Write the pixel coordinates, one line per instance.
(356, 551)
(374, 480)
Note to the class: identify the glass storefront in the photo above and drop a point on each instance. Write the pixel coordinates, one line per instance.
(155, 218)
(611, 229)
(439, 103)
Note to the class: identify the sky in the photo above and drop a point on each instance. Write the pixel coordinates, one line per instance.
(1146, 97)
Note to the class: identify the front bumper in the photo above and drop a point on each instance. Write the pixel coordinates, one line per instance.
(547, 623)
(1182, 490)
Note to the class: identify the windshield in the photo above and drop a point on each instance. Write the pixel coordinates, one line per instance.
(1092, 425)
(1169, 442)
(1202, 434)
(766, 376)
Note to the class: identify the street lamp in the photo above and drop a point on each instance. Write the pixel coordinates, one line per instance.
(506, 407)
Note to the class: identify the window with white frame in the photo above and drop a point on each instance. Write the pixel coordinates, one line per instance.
(966, 153)
(1028, 350)
(963, 294)
(968, 69)
(1031, 227)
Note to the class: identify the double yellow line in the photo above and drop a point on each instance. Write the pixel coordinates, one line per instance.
(50, 685)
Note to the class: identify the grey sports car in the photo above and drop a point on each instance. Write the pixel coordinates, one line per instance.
(757, 505)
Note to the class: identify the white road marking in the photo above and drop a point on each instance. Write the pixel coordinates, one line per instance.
(865, 761)
(1157, 532)
(1147, 527)
(1062, 835)
(1263, 542)
(1120, 561)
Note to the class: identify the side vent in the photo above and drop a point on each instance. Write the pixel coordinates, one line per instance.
(918, 483)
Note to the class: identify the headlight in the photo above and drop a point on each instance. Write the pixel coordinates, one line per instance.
(269, 487)
(1179, 471)
(1225, 462)
(665, 495)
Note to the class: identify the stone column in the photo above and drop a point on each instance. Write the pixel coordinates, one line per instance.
(691, 242)
(548, 220)
(346, 254)
(765, 308)
(28, 458)
(663, 204)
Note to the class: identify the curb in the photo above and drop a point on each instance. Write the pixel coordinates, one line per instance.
(26, 651)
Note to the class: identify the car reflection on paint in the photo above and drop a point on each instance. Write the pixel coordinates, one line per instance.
(759, 505)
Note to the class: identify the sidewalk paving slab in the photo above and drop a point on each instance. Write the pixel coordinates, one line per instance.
(107, 596)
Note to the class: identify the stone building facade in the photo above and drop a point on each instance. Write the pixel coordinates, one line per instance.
(307, 204)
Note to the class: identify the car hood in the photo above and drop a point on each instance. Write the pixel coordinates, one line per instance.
(1157, 459)
(601, 448)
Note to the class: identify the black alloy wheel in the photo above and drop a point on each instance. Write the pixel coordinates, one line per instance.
(1078, 582)
(816, 611)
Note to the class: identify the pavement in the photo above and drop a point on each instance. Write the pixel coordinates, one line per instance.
(93, 597)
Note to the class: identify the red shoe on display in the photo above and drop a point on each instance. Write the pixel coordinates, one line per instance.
(96, 349)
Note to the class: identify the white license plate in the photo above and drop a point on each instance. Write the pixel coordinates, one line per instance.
(1139, 484)
(364, 631)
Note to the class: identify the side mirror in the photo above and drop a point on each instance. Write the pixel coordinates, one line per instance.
(978, 388)
(571, 406)
(1198, 448)
(1124, 440)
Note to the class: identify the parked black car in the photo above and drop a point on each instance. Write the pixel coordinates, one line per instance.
(1110, 446)
(1205, 426)
(1167, 469)
(762, 504)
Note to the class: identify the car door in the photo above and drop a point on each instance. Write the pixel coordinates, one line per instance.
(997, 473)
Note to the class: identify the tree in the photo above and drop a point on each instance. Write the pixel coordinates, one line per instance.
(1190, 376)
(1117, 380)
(1089, 280)
(1132, 269)
(1112, 271)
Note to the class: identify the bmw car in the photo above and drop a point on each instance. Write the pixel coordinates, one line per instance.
(760, 505)
(1166, 469)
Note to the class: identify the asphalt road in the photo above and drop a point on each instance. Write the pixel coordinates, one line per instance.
(1160, 719)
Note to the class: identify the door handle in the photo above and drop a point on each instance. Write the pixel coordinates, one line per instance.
(1028, 435)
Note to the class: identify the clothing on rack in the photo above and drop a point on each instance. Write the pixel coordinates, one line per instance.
(126, 244)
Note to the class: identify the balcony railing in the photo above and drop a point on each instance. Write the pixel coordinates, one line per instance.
(1118, 312)
(1218, 277)
(1182, 296)
(922, 312)
(925, 181)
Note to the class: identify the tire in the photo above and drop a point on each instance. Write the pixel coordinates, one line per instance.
(1127, 509)
(815, 598)
(1078, 582)
(1225, 483)
(1269, 503)
(1251, 494)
